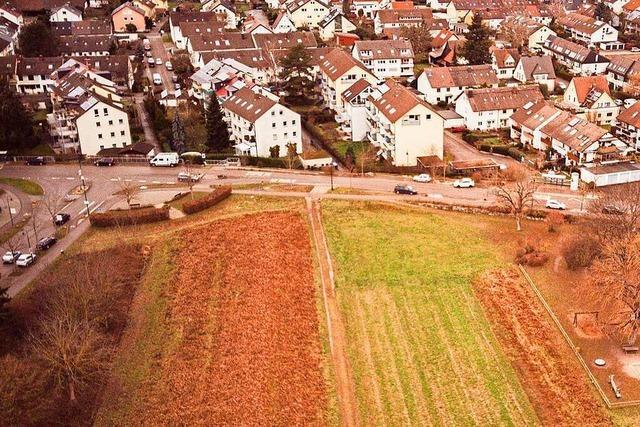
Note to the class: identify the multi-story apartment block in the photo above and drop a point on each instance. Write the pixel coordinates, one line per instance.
(307, 13)
(590, 98)
(445, 84)
(590, 31)
(353, 121)
(33, 75)
(579, 59)
(385, 58)
(628, 126)
(338, 71)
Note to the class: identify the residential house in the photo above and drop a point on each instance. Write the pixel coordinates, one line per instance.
(9, 32)
(252, 26)
(177, 18)
(394, 19)
(88, 115)
(403, 126)
(115, 68)
(194, 29)
(334, 22)
(11, 14)
(628, 126)
(222, 76)
(147, 6)
(385, 58)
(445, 84)
(257, 122)
(354, 120)
(490, 108)
(33, 75)
(536, 32)
(87, 27)
(590, 98)
(283, 24)
(571, 139)
(307, 13)
(127, 15)
(577, 58)
(590, 31)
(77, 45)
(368, 8)
(224, 9)
(623, 73)
(338, 71)
(504, 62)
(536, 69)
(65, 13)
(444, 49)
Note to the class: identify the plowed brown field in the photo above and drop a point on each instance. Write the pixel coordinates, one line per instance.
(245, 307)
(555, 383)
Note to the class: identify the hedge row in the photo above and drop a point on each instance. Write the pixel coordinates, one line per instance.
(505, 150)
(129, 217)
(218, 195)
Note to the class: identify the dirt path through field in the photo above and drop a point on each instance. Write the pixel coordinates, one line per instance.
(337, 338)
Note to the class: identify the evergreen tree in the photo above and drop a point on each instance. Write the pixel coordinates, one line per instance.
(476, 48)
(296, 73)
(217, 132)
(178, 134)
(37, 39)
(603, 13)
(16, 126)
(4, 300)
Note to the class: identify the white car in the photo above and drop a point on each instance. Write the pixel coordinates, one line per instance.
(423, 177)
(10, 257)
(158, 61)
(187, 177)
(464, 183)
(26, 260)
(554, 204)
(168, 65)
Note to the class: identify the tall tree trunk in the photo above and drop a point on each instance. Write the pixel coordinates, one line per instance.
(72, 392)
(518, 223)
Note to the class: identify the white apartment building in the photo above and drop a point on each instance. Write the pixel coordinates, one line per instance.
(536, 69)
(338, 71)
(590, 31)
(491, 108)
(307, 13)
(33, 75)
(87, 114)
(579, 59)
(445, 84)
(222, 8)
(353, 121)
(590, 98)
(334, 22)
(385, 58)
(258, 122)
(402, 125)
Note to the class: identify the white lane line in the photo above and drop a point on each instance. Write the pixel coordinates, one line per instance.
(65, 206)
(156, 182)
(85, 209)
(113, 179)
(97, 206)
(435, 195)
(127, 180)
(55, 177)
(142, 180)
(69, 178)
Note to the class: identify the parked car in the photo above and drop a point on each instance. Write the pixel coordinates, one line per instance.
(464, 183)
(149, 54)
(405, 189)
(554, 204)
(11, 257)
(169, 65)
(25, 260)
(105, 161)
(189, 177)
(158, 61)
(174, 78)
(177, 86)
(423, 177)
(151, 62)
(45, 243)
(61, 219)
(165, 159)
(33, 161)
(635, 49)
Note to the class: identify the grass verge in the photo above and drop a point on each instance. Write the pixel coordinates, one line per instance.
(26, 186)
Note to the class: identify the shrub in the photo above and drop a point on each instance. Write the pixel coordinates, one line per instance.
(531, 256)
(470, 137)
(580, 251)
(477, 177)
(218, 195)
(554, 221)
(129, 217)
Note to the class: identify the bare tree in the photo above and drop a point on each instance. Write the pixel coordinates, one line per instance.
(291, 156)
(51, 201)
(366, 157)
(515, 31)
(516, 192)
(35, 225)
(73, 352)
(616, 287)
(615, 214)
(188, 169)
(128, 189)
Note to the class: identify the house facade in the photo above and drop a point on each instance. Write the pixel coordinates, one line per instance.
(590, 98)
(385, 58)
(338, 71)
(445, 84)
(126, 15)
(578, 59)
(536, 69)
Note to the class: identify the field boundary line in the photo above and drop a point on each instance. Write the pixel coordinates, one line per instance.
(592, 378)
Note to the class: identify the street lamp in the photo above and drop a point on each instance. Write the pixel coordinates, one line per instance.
(333, 165)
(9, 209)
(28, 241)
(82, 181)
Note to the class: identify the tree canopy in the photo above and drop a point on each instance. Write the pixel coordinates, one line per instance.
(296, 72)
(37, 39)
(476, 48)
(16, 127)
(420, 39)
(217, 132)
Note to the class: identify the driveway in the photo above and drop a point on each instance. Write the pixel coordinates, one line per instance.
(460, 150)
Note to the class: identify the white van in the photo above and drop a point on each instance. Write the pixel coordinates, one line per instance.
(165, 159)
(146, 44)
(157, 80)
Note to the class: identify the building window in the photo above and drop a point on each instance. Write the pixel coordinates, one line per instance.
(273, 124)
(99, 136)
(121, 133)
(275, 136)
(120, 121)
(105, 111)
(110, 122)
(97, 124)
(95, 112)
(293, 122)
(113, 134)
(284, 123)
(295, 133)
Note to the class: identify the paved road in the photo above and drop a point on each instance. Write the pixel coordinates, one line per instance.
(160, 50)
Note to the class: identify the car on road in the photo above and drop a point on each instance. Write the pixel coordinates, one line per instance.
(174, 78)
(10, 257)
(33, 161)
(105, 161)
(158, 61)
(157, 79)
(61, 219)
(464, 183)
(149, 54)
(25, 260)
(165, 159)
(635, 49)
(554, 204)
(45, 243)
(177, 86)
(405, 189)
(169, 65)
(151, 62)
(423, 177)
(189, 177)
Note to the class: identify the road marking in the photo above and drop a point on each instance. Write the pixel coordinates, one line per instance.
(435, 195)
(282, 181)
(65, 206)
(69, 178)
(156, 182)
(142, 180)
(254, 173)
(113, 179)
(99, 204)
(55, 177)
(85, 209)
(127, 180)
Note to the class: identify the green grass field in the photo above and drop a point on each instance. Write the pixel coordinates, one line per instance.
(420, 346)
(24, 185)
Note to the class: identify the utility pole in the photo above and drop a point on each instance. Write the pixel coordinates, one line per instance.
(10, 213)
(26, 234)
(82, 182)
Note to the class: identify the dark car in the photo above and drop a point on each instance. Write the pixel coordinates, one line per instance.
(33, 161)
(61, 219)
(46, 243)
(405, 189)
(105, 161)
